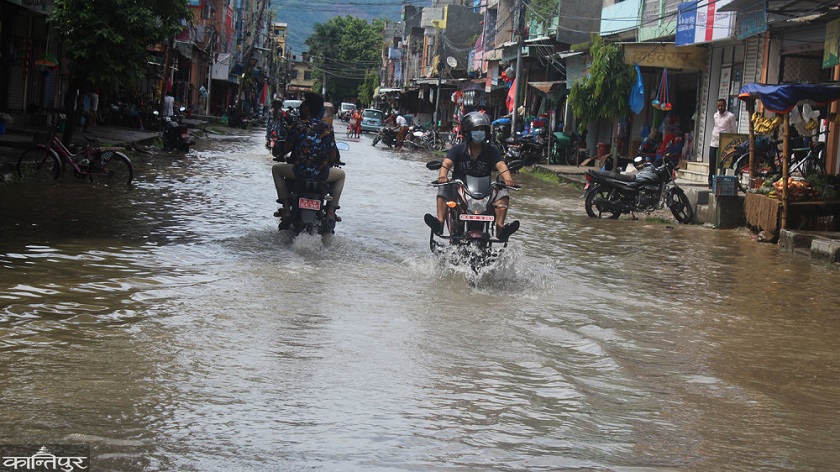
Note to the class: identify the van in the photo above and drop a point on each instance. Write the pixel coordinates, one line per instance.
(346, 107)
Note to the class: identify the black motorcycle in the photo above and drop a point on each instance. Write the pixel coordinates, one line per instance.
(309, 199)
(276, 145)
(387, 135)
(174, 135)
(470, 220)
(529, 148)
(610, 194)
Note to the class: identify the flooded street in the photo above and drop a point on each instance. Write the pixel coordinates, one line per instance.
(170, 326)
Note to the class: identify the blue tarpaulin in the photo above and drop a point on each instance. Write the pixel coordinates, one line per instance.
(782, 98)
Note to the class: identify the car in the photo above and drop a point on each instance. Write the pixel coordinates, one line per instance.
(293, 104)
(372, 120)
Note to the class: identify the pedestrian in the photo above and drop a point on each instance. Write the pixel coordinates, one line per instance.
(168, 104)
(202, 98)
(94, 107)
(724, 123)
(403, 126)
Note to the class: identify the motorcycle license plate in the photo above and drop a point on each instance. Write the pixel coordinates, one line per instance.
(477, 218)
(307, 204)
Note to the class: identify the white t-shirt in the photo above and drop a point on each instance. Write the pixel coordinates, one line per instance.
(168, 105)
(401, 121)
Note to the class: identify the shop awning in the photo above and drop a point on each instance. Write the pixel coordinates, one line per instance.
(548, 87)
(782, 98)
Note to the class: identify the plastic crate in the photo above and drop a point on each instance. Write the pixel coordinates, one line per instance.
(725, 185)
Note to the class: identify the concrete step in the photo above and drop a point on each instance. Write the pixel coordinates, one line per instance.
(817, 244)
(695, 172)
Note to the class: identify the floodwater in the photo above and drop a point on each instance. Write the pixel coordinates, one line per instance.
(170, 326)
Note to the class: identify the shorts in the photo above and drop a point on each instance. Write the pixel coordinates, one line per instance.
(447, 192)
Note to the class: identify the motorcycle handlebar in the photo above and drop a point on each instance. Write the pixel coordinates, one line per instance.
(435, 183)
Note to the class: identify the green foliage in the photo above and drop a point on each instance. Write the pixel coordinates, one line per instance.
(542, 11)
(606, 92)
(368, 87)
(107, 40)
(345, 49)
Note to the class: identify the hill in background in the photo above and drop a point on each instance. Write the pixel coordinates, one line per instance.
(301, 16)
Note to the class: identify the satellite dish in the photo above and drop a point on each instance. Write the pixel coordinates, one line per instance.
(452, 61)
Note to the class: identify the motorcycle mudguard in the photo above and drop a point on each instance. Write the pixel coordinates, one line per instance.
(308, 216)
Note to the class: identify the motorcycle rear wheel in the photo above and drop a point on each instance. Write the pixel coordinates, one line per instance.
(604, 193)
(376, 140)
(680, 205)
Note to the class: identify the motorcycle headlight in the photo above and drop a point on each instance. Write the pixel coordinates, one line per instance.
(478, 207)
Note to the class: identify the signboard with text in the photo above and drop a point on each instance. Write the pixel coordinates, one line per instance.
(702, 22)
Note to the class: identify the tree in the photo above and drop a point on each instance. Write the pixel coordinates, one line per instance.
(368, 87)
(605, 93)
(345, 48)
(107, 42)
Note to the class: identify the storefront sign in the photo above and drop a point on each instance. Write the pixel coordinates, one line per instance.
(665, 55)
(702, 22)
(729, 141)
(831, 50)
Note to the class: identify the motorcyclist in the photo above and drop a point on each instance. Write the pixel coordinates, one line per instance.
(475, 157)
(311, 143)
(276, 123)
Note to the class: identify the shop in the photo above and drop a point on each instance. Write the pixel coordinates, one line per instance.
(806, 202)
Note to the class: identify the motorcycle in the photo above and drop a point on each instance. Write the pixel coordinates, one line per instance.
(309, 199)
(237, 119)
(609, 194)
(529, 148)
(174, 135)
(470, 220)
(419, 138)
(387, 135)
(276, 145)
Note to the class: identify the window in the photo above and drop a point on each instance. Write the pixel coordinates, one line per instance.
(307, 75)
(294, 73)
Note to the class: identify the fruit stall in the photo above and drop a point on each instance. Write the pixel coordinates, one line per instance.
(785, 201)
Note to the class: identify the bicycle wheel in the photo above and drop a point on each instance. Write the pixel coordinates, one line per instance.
(764, 168)
(38, 164)
(728, 161)
(111, 167)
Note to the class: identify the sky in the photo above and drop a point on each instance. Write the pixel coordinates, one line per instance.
(302, 15)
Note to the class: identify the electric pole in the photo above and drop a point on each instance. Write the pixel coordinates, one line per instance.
(516, 83)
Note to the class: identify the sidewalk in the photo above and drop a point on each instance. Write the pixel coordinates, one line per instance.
(18, 138)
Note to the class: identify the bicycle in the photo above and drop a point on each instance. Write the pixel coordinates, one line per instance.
(101, 165)
(766, 161)
(812, 162)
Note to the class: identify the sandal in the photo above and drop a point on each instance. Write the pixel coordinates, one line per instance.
(285, 222)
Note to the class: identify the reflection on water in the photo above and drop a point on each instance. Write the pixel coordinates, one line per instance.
(172, 327)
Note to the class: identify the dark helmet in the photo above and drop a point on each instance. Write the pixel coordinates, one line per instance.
(277, 104)
(472, 121)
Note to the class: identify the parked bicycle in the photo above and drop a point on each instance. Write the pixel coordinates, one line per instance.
(101, 165)
(766, 161)
(808, 161)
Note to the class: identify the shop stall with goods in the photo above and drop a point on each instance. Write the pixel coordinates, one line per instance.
(791, 188)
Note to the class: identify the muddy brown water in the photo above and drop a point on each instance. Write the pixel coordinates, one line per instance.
(171, 327)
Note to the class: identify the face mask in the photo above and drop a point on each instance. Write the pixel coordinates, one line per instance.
(478, 136)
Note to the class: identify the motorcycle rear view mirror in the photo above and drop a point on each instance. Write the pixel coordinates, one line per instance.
(342, 146)
(434, 165)
(515, 165)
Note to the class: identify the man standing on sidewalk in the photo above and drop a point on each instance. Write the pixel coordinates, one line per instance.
(724, 123)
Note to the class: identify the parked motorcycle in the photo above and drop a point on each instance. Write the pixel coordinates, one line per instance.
(470, 220)
(419, 138)
(173, 134)
(609, 194)
(529, 148)
(387, 135)
(309, 199)
(237, 119)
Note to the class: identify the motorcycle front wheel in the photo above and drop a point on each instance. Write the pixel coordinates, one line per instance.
(376, 140)
(596, 211)
(680, 205)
